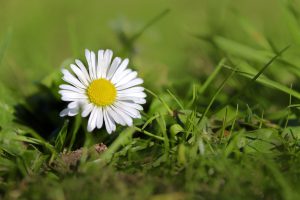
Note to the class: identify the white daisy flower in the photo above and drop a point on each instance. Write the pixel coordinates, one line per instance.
(108, 92)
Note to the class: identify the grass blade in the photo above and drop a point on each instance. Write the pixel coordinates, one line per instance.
(212, 76)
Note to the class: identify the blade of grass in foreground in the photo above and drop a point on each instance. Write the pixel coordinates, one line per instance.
(74, 131)
(61, 137)
(162, 125)
(254, 78)
(212, 76)
(270, 83)
(240, 50)
(215, 96)
(161, 100)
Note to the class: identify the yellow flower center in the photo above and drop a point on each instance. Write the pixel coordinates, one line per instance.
(102, 92)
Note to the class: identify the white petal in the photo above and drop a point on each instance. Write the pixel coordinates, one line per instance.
(70, 94)
(121, 68)
(113, 67)
(112, 123)
(83, 69)
(74, 111)
(100, 118)
(137, 94)
(132, 105)
(69, 112)
(131, 83)
(66, 92)
(71, 88)
(131, 90)
(117, 79)
(73, 99)
(123, 115)
(107, 122)
(87, 108)
(139, 100)
(106, 62)
(128, 110)
(89, 61)
(132, 99)
(68, 77)
(127, 78)
(100, 62)
(64, 112)
(73, 104)
(79, 74)
(77, 104)
(117, 118)
(93, 67)
(92, 120)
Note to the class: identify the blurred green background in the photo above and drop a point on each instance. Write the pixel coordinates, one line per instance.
(41, 35)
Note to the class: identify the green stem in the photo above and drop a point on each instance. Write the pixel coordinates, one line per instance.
(149, 134)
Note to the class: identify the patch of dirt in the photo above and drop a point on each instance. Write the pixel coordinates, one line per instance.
(68, 161)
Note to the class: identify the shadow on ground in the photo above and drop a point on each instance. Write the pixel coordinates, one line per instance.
(40, 111)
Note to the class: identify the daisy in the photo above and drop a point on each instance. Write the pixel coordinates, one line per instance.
(108, 92)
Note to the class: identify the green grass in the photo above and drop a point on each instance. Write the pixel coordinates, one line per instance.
(222, 114)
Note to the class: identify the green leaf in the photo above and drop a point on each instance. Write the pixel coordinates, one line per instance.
(61, 137)
(175, 129)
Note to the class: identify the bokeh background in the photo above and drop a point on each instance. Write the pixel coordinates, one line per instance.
(40, 36)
